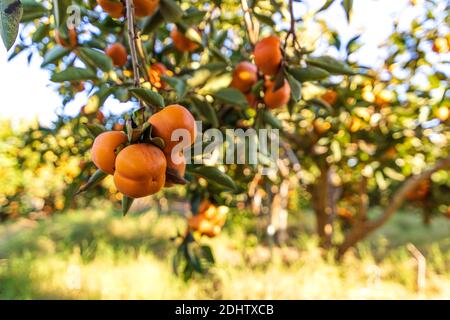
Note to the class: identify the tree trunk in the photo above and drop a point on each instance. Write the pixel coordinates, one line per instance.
(325, 195)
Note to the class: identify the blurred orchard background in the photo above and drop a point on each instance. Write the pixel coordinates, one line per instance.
(360, 208)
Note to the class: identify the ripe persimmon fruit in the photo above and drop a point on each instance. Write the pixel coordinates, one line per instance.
(140, 170)
(104, 149)
(321, 126)
(251, 99)
(440, 45)
(268, 55)
(330, 97)
(209, 220)
(71, 40)
(118, 53)
(100, 116)
(144, 8)
(157, 70)
(245, 75)
(181, 42)
(114, 8)
(169, 119)
(118, 126)
(277, 98)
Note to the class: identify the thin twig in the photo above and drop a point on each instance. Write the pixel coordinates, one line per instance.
(292, 32)
(132, 40)
(143, 57)
(252, 27)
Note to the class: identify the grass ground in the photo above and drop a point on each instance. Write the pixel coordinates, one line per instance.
(97, 254)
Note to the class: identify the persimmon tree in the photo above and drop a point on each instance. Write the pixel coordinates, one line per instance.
(344, 129)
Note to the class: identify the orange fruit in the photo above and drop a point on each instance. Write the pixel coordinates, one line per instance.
(118, 126)
(277, 98)
(330, 97)
(204, 205)
(179, 167)
(100, 116)
(203, 226)
(321, 126)
(268, 55)
(118, 53)
(169, 119)
(104, 149)
(140, 170)
(157, 70)
(114, 8)
(71, 37)
(390, 153)
(208, 228)
(440, 45)
(181, 42)
(143, 8)
(251, 99)
(356, 124)
(245, 75)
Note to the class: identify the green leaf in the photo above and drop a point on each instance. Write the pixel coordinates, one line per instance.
(152, 22)
(207, 253)
(273, 121)
(231, 96)
(54, 54)
(32, 10)
(40, 33)
(60, 11)
(150, 97)
(264, 19)
(126, 204)
(178, 84)
(326, 6)
(93, 181)
(206, 110)
(296, 87)
(347, 5)
(219, 55)
(73, 74)
(193, 16)
(96, 58)
(214, 175)
(331, 65)
(10, 15)
(170, 10)
(309, 73)
(352, 44)
(94, 129)
(214, 66)
(103, 94)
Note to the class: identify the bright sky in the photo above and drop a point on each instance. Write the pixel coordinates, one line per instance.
(25, 90)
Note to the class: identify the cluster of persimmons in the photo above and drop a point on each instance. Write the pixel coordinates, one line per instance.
(209, 220)
(268, 58)
(139, 169)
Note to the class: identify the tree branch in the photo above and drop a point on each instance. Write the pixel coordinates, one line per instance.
(132, 41)
(251, 27)
(363, 228)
